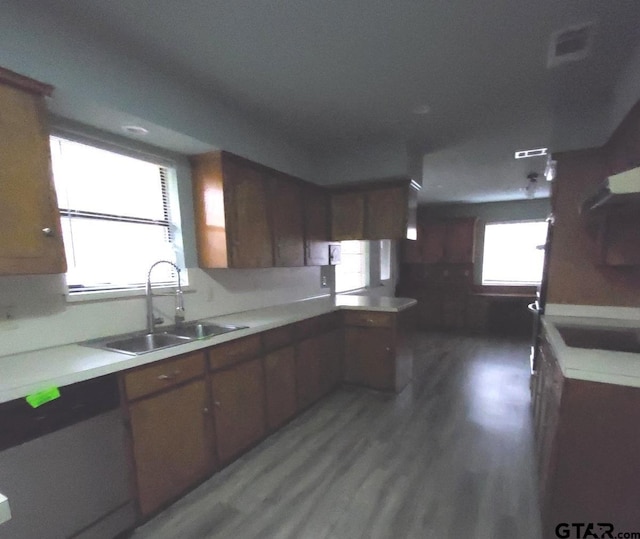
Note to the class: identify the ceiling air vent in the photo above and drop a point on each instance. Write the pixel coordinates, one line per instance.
(570, 44)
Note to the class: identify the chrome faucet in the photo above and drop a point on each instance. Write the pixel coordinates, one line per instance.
(179, 308)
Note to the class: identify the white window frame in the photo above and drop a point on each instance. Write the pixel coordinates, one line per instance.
(79, 295)
(482, 268)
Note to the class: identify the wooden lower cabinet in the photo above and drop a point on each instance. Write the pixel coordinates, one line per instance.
(172, 444)
(318, 366)
(377, 349)
(587, 445)
(280, 379)
(239, 401)
(369, 357)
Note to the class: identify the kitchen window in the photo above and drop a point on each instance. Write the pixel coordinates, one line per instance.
(353, 271)
(513, 253)
(116, 217)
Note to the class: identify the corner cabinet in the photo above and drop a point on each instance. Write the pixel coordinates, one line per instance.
(31, 239)
(372, 210)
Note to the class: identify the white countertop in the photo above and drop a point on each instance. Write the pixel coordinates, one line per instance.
(620, 368)
(28, 372)
(5, 512)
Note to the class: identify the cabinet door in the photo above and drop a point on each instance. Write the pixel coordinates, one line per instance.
(347, 216)
(248, 229)
(460, 241)
(31, 239)
(171, 435)
(308, 366)
(285, 204)
(280, 376)
(432, 242)
(411, 251)
(316, 222)
(239, 408)
(369, 357)
(331, 360)
(386, 213)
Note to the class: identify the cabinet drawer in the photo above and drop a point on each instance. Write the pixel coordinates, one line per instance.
(278, 337)
(368, 319)
(318, 324)
(234, 351)
(163, 374)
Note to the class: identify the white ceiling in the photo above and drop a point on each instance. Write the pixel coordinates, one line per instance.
(335, 73)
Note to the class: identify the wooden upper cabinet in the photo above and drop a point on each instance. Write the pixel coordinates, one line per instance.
(231, 210)
(432, 238)
(347, 215)
(450, 242)
(31, 239)
(460, 240)
(316, 226)
(371, 210)
(286, 204)
(386, 213)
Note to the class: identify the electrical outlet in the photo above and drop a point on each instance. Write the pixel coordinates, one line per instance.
(323, 281)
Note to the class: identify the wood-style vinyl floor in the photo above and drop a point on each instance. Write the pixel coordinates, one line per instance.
(450, 457)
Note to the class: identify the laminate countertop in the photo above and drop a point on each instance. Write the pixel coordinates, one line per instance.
(28, 372)
(595, 365)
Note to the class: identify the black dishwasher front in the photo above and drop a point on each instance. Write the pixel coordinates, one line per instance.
(63, 465)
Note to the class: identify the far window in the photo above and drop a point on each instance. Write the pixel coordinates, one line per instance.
(115, 216)
(511, 253)
(353, 269)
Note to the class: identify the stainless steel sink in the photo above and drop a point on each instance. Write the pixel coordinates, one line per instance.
(202, 330)
(599, 338)
(140, 344)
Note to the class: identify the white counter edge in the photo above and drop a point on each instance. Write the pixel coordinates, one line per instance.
(79, 363)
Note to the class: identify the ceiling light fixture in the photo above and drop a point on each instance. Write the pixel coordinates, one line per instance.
(521, 154)
(532, 185)
(135, 130)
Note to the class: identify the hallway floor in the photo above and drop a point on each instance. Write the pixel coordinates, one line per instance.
(450, 457)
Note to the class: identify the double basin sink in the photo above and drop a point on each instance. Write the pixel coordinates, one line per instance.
(142, 343)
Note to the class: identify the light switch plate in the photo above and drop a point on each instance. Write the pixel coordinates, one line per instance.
(5, 512)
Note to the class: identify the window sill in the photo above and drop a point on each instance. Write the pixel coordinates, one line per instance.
(111, 295)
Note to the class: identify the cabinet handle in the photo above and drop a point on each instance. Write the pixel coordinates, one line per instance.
(369, 320)
(388, 349)
(175, 374)
(48, 232)
(205, 411)
(217, 403)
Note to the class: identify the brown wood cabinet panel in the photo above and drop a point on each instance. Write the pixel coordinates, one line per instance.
(317, 226)
(278, 337)
(246, 203)
(234, 351)
(459, 241)
(432, 237)
(286, 205)
(280, 376)
(308, 367)
(369, 357)
(412, 250)
(369, 318)
(31, 239)
(621, 238)
(163, 375)
(331, 366)
(239, 408)
(347, 216)
(171, 435)
(318, 324)
(386, 213)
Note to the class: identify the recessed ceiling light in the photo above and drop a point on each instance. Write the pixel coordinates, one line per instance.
(135, 129)
(422, 109)
(521, 154)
